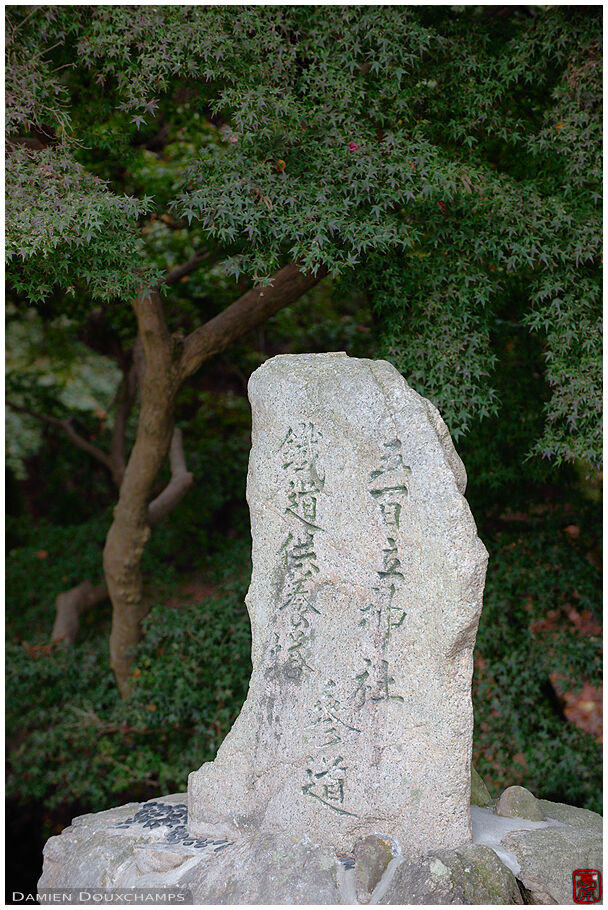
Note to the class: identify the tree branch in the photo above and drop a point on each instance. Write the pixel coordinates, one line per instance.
(178, 486)
(252, 308)
(180, 271)
(29, 142)
(70, 606)
(65, 425)
(151, 321)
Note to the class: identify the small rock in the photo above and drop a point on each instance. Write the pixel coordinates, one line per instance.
(517, 802)
(372, 855)
(471, 874)
(573, 816)
(480, 795)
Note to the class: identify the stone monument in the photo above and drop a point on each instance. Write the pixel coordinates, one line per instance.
(364, 601)
(346, 777)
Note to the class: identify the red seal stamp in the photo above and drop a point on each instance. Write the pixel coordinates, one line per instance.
(586, 886)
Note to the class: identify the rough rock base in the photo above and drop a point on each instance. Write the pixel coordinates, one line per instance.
(148, 846)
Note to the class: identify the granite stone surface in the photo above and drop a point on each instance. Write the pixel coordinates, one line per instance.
(365, 596)
(480, 795)
(147, 846)
(471, 874)
(548, 856)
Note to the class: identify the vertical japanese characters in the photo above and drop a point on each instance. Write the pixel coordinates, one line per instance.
(325, 775)
(379, 616)
(336, 723)
(300, 460)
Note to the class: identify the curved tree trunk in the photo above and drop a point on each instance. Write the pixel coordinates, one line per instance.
(128, 535)
(130, 528)
(130, 531)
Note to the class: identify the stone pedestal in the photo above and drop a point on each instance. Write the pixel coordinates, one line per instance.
(131, 853)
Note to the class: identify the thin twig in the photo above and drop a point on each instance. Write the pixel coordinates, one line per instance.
(180, 271)
(67, 427)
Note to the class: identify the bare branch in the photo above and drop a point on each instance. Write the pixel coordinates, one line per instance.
(29, 142)
(70, 606)
(178, 486)
(245, 313)
(89, 718)
(66, 426)
(180, 271)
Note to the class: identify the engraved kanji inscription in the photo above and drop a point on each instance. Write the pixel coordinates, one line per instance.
(378, 617)
(305, 480)
(325, 782)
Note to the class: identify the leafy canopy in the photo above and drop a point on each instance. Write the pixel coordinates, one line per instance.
(447, 159)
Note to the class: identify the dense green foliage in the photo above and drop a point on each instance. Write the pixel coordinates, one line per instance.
(46, 365)
(446, 159)
(71, 736)
(89, 745)
(537, 577)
